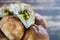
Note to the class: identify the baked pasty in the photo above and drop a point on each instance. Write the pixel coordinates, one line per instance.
(36, 33)
(21, 10)
(12, 27)
(39, 20)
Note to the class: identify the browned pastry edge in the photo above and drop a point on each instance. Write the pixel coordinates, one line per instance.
(6, 19)
(36, 33)
(39, 20)
(2, 36)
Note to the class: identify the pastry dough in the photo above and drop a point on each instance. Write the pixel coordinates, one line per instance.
(36, 33)
(12, 27)
(39, 20)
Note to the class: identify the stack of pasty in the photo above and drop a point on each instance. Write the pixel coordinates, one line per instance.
(20, 22)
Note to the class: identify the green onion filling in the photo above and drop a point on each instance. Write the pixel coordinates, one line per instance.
(24, 14)
(7, 13)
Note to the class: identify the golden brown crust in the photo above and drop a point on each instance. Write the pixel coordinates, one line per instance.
(12, 27)
(36, 33)
(39, 20)
(2, 36)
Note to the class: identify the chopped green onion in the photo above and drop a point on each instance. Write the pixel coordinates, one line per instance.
(7, 12)
(25, 14)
